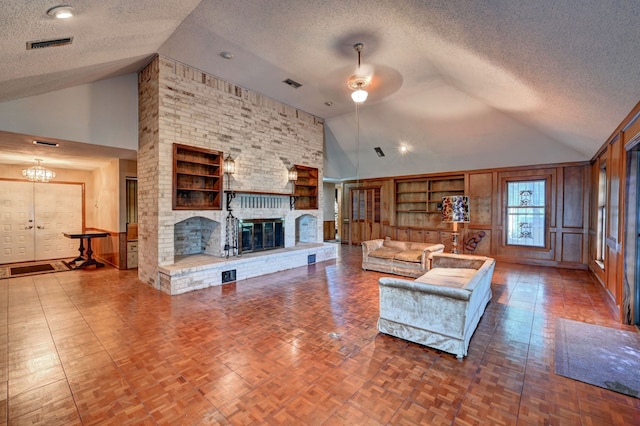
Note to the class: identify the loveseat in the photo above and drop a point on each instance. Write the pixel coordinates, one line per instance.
(442, 308)
(398, 257)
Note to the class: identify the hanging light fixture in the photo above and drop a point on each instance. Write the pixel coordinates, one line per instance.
(358, 83)
(38, 173)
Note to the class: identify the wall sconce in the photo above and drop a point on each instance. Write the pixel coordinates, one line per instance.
(293, 174)
(455, 209)
(229, 165)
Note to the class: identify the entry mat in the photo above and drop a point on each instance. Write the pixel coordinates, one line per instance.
(601, 356)
(32, 268)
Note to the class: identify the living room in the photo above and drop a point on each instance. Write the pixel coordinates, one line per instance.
(512, 132)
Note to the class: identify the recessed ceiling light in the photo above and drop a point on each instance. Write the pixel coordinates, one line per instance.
(226, 55)
(61, 12)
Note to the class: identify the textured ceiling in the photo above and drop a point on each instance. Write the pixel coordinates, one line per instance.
(464, 84)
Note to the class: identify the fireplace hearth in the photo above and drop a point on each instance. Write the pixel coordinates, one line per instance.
(260, 234)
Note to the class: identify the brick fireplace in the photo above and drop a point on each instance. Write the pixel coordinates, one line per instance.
(180, 104)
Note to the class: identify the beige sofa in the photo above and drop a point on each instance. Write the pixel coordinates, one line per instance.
(442, 308)
(398, 257)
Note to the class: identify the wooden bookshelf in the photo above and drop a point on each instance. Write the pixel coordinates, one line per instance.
(305, 188)
(419, 201)
(197, 178)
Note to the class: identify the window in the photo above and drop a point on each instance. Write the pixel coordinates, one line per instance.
(526, 211)
(602, 216)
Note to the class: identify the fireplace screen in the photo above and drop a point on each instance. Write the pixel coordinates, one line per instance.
(261, 234)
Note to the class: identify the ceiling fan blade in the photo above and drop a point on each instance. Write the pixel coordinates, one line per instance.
(365, 71)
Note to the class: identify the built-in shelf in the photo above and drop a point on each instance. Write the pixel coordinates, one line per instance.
(418, 200)
(305, 188)
(197, 178)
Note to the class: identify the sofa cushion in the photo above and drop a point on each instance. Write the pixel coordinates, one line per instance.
(385, 252)
(400, 245)
(448, 277)
(409, 256)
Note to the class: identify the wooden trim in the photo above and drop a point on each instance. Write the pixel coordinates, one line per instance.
(465, 172)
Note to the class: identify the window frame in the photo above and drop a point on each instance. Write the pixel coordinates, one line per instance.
(601, 216)
(546, 209)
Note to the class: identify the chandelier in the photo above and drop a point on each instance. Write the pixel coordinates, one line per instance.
(38, 173)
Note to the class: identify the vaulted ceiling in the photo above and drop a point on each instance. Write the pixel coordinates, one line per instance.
(461, 84)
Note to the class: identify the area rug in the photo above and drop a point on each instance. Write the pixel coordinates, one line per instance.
(32, 268)
(597, 355)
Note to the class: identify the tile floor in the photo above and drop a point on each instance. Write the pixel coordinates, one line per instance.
(292, 348)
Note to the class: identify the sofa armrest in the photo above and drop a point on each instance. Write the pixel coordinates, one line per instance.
(420, 287)
(369, 246)
(427, 254)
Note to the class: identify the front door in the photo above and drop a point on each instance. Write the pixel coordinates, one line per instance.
(34, 217)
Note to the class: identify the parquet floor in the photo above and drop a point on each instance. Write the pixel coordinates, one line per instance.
(292, 348)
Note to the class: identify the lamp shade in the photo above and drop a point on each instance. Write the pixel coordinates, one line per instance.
(455, 209)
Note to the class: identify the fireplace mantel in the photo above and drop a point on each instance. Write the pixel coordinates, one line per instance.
(275, 194)
(231, 194)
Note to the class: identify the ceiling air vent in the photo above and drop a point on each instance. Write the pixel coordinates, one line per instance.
(46, 143)
(40, 44)
(292, 83)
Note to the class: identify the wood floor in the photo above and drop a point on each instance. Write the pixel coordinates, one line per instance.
(297, 347)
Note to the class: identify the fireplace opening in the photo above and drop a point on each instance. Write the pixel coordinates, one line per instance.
(261, 234)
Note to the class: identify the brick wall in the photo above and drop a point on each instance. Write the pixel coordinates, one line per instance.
(180, 104)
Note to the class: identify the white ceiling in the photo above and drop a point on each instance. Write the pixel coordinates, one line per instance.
(465, 84)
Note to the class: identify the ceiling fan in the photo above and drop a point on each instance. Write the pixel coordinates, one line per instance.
(359, 81)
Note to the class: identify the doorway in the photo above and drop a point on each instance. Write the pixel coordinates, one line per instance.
(33, 217)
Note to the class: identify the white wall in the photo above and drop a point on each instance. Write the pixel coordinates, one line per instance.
(100, 113)
(328, 202)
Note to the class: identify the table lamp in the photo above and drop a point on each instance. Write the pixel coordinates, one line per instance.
(455, 209)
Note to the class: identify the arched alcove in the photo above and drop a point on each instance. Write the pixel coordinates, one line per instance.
(306, 229)
(196, 235)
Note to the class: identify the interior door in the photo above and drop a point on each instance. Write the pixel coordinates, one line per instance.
(365, 215)
(58, 209)
(34, 217)
(17, 222)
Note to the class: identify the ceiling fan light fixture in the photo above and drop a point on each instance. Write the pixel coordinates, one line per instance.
(359, 96)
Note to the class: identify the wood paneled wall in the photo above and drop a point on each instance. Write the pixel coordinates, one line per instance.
(617, 273)
(568, 189)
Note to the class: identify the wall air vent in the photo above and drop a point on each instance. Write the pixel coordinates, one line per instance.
(40, 44)
(292, 83)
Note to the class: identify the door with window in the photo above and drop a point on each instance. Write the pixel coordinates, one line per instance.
(33, 218)
(365, 215)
